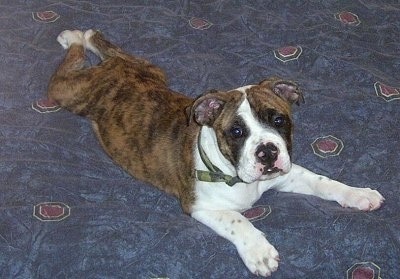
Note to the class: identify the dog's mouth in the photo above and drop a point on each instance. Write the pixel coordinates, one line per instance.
(265, 174)
(273, 170)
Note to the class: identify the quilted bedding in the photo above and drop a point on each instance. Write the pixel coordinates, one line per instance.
(67, 211)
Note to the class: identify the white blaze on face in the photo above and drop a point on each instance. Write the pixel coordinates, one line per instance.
(249, 168)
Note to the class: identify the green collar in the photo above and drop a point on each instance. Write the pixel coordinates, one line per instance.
(214, 174)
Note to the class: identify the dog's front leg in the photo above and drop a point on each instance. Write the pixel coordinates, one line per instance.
(303, 181)
(260, 257)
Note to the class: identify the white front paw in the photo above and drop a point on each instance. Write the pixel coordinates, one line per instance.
(364, 199)
(260, 257)
(67, 38)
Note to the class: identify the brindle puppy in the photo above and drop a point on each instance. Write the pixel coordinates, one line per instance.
(217, 153)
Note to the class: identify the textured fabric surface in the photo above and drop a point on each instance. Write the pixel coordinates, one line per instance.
(66, 211)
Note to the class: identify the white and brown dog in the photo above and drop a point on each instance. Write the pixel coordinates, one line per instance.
(218, 154)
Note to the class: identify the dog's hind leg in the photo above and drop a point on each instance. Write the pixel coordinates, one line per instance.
(95, 42)
(75, 57)
(71, 82)
(98, 44)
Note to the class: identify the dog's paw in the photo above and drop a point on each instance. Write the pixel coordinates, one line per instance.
(67, 38)
(88, 34)
(88, 44)
(260, 257)
(364, 199)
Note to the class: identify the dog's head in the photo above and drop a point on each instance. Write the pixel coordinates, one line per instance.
(253, 126)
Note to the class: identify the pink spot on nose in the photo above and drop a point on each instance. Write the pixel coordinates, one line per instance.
(279, 164)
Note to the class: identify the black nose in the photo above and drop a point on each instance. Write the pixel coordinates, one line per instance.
(267, 153)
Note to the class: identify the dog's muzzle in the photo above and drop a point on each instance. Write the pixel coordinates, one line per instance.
(267, 154)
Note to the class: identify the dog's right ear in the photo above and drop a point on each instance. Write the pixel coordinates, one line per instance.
(286, 89)
(205, 109)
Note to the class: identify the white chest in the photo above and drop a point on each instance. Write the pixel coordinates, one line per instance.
(218, 195)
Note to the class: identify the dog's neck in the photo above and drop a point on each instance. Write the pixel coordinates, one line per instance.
(211, 165)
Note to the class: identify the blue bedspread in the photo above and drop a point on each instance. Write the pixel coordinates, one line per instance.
(67, 211)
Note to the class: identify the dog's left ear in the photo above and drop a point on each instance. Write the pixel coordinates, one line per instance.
(285, 89)
(205, 109)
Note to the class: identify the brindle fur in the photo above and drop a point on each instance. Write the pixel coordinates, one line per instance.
(125, 96)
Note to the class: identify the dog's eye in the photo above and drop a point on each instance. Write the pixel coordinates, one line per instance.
(236, 131)
(279, 121)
